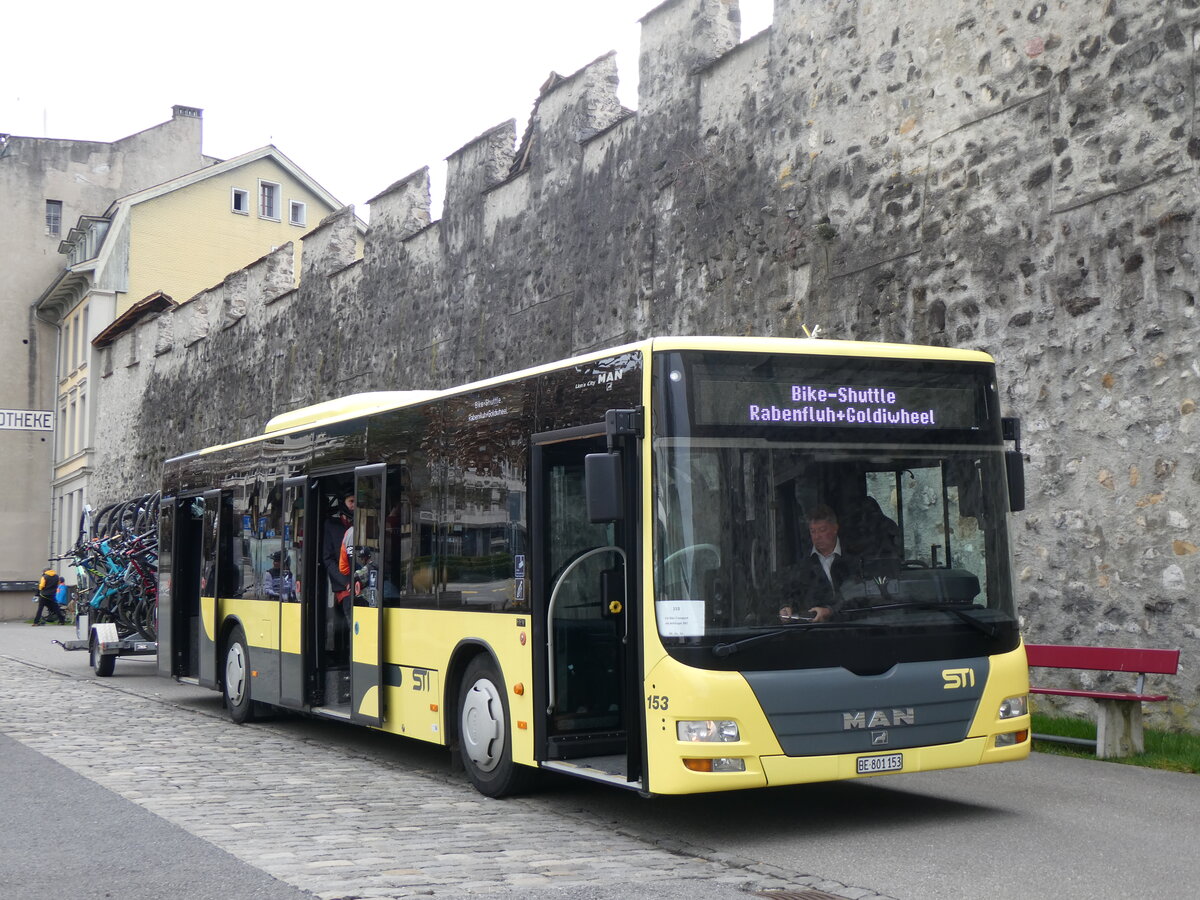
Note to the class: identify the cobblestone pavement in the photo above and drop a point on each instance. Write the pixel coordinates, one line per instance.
(347, 825)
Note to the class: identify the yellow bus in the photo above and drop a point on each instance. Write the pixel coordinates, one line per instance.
(686, 564)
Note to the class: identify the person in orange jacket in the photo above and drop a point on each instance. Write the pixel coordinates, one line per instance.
(47, 588)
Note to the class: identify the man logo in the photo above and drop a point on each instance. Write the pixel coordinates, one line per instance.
(879, 738)
(958, 678)
(854, 720)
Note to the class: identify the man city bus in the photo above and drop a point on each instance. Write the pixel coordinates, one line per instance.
(677, 566)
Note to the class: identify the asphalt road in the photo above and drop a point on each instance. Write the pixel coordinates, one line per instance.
(1051, 826)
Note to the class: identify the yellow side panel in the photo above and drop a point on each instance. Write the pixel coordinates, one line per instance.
(421, 643)
(259, 618)
(289, 627)
(208, 617)
(365, 644)
(370, 703)
(414, 706)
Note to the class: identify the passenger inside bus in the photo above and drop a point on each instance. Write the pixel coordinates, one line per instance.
(278, 583)
(870, 534)
(333, 530)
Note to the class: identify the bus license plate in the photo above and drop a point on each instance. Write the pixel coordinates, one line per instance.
(869, 765)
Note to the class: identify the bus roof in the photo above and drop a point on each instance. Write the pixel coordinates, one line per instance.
(355, 405)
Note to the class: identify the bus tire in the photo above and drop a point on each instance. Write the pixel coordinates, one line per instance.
(102, 664)
(483, 732)
(236, 680)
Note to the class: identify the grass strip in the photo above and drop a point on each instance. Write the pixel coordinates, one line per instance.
(1167, 750)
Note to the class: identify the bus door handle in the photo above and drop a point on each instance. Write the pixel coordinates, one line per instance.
(550, 615)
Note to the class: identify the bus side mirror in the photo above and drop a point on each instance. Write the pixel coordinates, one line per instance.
(602, 487)
(1014, 463)
(1014, 468)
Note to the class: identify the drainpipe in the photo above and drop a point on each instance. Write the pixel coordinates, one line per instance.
(57, 326)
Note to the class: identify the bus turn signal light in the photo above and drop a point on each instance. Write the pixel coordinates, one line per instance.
(1012, 738)
(719, 764)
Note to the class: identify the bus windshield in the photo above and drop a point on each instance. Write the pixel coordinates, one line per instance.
(812, 540)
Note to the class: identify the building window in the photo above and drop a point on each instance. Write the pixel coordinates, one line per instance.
(54, 217)
(79, 342)
(297, 213)
(240, 202)
(69, 433)
(61, 427)
(268, 200)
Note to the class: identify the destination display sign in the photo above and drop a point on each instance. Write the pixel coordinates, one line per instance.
(728, 401)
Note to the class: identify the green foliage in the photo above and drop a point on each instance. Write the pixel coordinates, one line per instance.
(1168, 750)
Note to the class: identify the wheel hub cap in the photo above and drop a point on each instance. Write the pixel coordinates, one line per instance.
(482, 725)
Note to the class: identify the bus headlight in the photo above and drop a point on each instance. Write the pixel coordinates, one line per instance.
(721, 730)
(1014, 706)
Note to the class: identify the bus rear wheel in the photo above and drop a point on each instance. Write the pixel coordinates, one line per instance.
(483, 732)
(236, 683)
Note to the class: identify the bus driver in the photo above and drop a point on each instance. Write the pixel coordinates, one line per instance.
(815, 583)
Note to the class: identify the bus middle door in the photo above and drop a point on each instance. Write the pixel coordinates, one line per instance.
(297, 604)
(366, 591)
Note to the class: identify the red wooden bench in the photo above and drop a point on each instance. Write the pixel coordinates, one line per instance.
(1119, 714)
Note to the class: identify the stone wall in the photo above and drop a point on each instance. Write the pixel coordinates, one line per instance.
(1014, 177)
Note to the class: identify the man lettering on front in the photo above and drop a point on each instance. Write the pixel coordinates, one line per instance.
(818, 578)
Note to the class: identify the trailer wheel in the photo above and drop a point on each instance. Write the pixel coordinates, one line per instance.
(236, 683)
(483, 732)
(102, 664)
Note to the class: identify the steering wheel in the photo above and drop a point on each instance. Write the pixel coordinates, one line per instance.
(915, 564)
(693, 549)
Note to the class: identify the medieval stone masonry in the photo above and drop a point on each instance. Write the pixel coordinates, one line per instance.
(1017, 177)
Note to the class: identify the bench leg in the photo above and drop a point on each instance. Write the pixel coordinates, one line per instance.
(1119, 728)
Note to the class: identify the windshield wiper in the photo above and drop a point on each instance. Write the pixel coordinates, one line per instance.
(964, 613)
(724, 650)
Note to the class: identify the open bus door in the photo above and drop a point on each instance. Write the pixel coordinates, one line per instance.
(296, 609)
(366, 590)
(205, 635)
(168, 570)
(587, 652)
(181, 543)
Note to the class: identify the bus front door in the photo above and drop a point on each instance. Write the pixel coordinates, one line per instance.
(586, 651)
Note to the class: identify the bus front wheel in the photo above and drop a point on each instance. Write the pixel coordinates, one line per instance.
(237, 678)
(483, 732)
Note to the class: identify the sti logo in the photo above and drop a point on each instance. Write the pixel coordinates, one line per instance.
(958, 678)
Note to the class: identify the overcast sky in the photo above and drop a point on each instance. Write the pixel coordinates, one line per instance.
(358, 94)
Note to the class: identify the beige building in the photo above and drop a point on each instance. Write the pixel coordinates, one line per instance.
(46, 183)
(145, 253)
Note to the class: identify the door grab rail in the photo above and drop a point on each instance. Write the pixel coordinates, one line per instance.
(550, 613)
